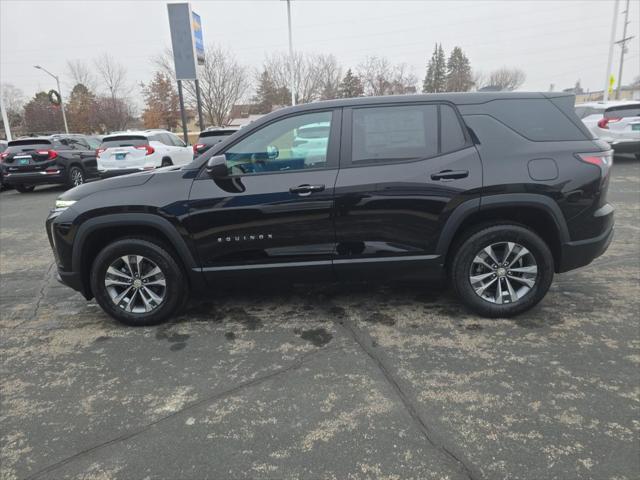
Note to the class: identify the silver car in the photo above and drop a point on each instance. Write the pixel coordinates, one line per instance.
(618, 123)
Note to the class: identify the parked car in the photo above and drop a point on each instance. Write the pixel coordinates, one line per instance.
(128, 152)
(617, 123)
(210, 137)
(3, 147)
(311, 142)
(53, 159)
(497, 190)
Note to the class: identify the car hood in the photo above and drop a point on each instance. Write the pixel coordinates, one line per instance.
(125, 181)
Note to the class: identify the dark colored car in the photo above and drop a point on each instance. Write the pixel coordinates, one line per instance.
(498, 191)
(210, 137)
(56, 159)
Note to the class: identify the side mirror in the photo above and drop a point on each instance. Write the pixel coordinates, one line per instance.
(217, 167)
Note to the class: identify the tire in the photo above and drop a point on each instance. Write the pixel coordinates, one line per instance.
(506, 296)
(25, 188)
(76, 177)
(166, 162)
(173, 295)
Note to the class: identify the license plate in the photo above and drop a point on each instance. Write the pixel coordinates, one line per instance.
(23, 161)
(635, 126)
(120, 156)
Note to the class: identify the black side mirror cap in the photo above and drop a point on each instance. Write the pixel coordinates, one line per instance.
(217, 167)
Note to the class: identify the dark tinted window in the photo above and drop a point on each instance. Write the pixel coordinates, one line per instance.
(536, 119)
(93, 142)
(452, 135)
(394, 133)
(623, 111)
(18, 146)
(123, 141)
(214, 136)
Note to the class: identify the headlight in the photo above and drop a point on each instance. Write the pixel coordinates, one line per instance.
(63, 204)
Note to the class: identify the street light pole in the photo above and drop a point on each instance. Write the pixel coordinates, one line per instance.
(64, 115)
(292, 80)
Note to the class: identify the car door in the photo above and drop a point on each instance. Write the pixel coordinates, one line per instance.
(87, 156)
(183, 152)
(273, 214)
(400, 178)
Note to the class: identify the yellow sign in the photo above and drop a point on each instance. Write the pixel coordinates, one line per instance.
(612, 82)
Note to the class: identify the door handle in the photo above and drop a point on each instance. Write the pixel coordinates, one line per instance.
(450, 174)
(304, 190)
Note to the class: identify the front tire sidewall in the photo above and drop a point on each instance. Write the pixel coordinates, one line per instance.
(72, 172)
(176, 289)
(496, 234)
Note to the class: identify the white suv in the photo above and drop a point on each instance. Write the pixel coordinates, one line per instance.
(128, 152)
(617, 123)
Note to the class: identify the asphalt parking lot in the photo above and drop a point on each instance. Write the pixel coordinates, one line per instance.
(329, 381)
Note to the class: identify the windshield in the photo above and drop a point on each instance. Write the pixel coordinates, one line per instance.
(124, 141)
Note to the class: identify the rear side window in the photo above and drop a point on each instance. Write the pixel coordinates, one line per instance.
(214, 136)
(394, 133)
(175, 140)
(124, 141)
(623, 111)
(451, 134)
(535, 119)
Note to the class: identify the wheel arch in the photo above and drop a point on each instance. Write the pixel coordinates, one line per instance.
(537, 212)
(94, 234)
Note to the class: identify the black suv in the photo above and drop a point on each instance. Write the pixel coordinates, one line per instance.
(56, 159)
(497, 190)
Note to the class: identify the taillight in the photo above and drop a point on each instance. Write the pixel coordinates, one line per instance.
(604, 160)
(148, 148)
(197, 147)
(604, 122)
(3, 156)
(100, 150)
(51, 154)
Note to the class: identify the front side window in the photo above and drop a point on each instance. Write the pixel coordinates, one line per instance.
(392, 133)
(293, 143)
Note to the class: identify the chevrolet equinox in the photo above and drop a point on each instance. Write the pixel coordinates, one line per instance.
(496, 191)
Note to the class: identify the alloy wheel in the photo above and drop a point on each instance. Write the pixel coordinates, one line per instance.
(135, 284)
(503, 272)
(76, 177)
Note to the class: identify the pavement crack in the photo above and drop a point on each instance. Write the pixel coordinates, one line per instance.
(364, 342)
(43, 285)
(210, 398)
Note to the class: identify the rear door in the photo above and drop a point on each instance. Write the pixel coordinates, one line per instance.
(401, 176)
(31, 155)
(273, 214)
(183, 153)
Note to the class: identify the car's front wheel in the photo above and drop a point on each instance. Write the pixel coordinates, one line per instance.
(138, 282)
(502, 270)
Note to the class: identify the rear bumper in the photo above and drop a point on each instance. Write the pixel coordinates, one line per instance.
(583, 252)
(33, 178)
(623, 146)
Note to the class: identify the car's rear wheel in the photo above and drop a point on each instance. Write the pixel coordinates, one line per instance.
(502, 270)
(25, 188)
(166, 162)
(138, 282)
(76, 177)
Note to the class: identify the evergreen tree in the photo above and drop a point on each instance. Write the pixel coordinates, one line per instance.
(41, 117)
(459, 78)
(436, 78)
(350, 86)
(81, 110)
(161, 103)
(268, 95)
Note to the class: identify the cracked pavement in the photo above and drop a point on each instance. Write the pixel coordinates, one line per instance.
(386, 381)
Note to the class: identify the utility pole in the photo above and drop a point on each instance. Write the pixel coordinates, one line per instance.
(5, 118)
(605, 93)
(292, 80)
(64, 116)
(623, 48)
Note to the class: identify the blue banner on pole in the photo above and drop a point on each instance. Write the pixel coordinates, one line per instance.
(196, 25)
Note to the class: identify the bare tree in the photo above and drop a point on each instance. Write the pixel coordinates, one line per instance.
(382, 78)
(506, 78)
(113, 76)
(81, 73)
(223, 83)
(14, 102)
(115, 110)
(307, 78)
(329, 74)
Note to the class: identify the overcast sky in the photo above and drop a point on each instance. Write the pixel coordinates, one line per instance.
(553, 41)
